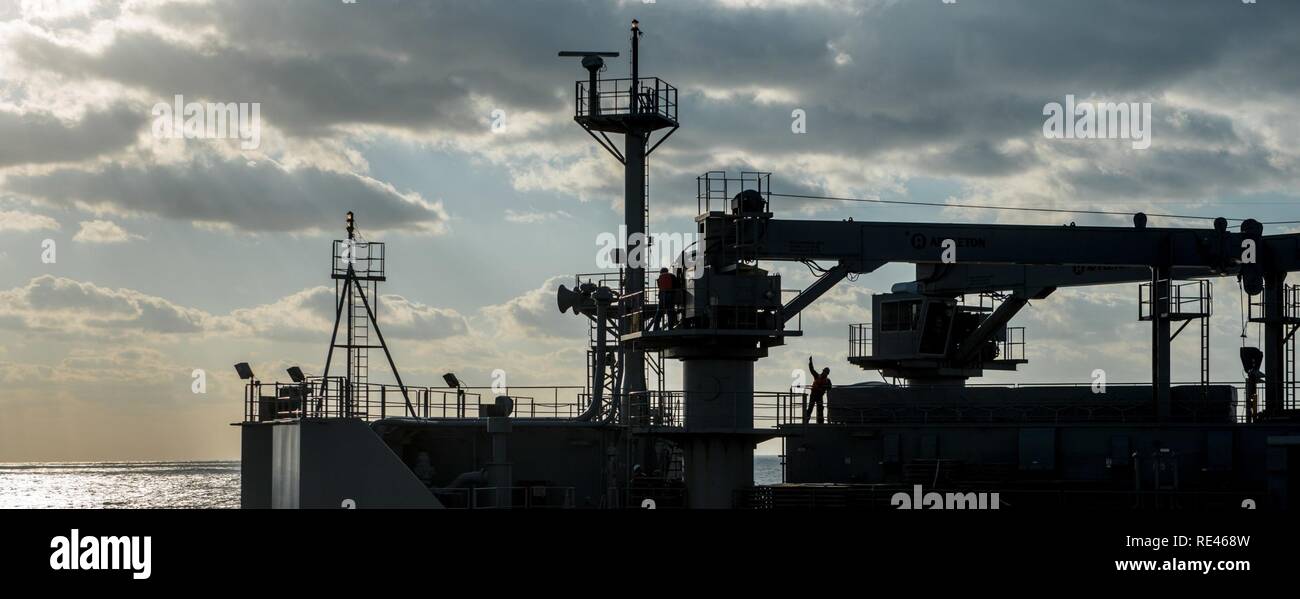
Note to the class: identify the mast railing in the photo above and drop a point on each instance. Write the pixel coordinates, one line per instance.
(614, 98)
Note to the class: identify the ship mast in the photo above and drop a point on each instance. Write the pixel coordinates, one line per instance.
(635, 107)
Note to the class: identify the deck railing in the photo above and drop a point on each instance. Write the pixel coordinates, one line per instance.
(333, 397)
(1010, 342)
(326, 398)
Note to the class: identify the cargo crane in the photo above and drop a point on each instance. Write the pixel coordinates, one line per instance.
(733, 309)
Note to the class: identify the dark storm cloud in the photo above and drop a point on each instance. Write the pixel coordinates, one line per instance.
(416, 63)
(40, 138)
(303, 94)
(1187, 173)
(918, 88)
(251, 197)
(979, 159)
(961, 80)
(316, 64)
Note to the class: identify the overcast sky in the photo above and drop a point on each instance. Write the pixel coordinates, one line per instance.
(447, 127)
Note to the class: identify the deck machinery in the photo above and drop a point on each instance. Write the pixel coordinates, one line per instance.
(332, 441)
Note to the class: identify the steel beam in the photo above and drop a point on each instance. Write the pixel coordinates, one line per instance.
(1160, 342)
(1274, 341)
(823, 284)
(995, 321)
(922, 243)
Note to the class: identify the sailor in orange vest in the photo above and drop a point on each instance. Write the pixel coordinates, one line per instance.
(821, 383)
(667, 285)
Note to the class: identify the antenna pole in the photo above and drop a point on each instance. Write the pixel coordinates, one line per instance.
(634, 145)
(593, 91)
(636, 71)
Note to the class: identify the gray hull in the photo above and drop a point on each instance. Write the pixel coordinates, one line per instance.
(325, 463)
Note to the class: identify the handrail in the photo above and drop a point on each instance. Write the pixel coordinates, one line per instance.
(655, 96)
(1011, 345)
(640, 311)
(333, 397)
(1193, 405)
(658, 409)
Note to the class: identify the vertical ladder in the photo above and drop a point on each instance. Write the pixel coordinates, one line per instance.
(655, 360)
(1290, 310)
(1205, 357)
(645, 218)
(1290, 384)
(645, 226)
(360, 323)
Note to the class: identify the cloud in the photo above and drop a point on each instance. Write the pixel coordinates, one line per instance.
(102, 231)
(406, 319)
(38, 137)
(534, 314)
(94, 367)
(262, 197)
(23, 222)
(532, 218)
(60, 305)
(308, 316)
(312, 83)
(301, 316)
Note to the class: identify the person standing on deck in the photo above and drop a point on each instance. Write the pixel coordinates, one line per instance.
(666, 284)
(821, 383)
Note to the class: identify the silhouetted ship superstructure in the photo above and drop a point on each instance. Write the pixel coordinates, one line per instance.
(622, 440)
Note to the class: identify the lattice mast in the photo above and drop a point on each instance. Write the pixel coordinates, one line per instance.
(357, 267)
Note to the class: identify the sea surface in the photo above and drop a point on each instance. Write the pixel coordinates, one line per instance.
(162, 484)
(120, 485)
